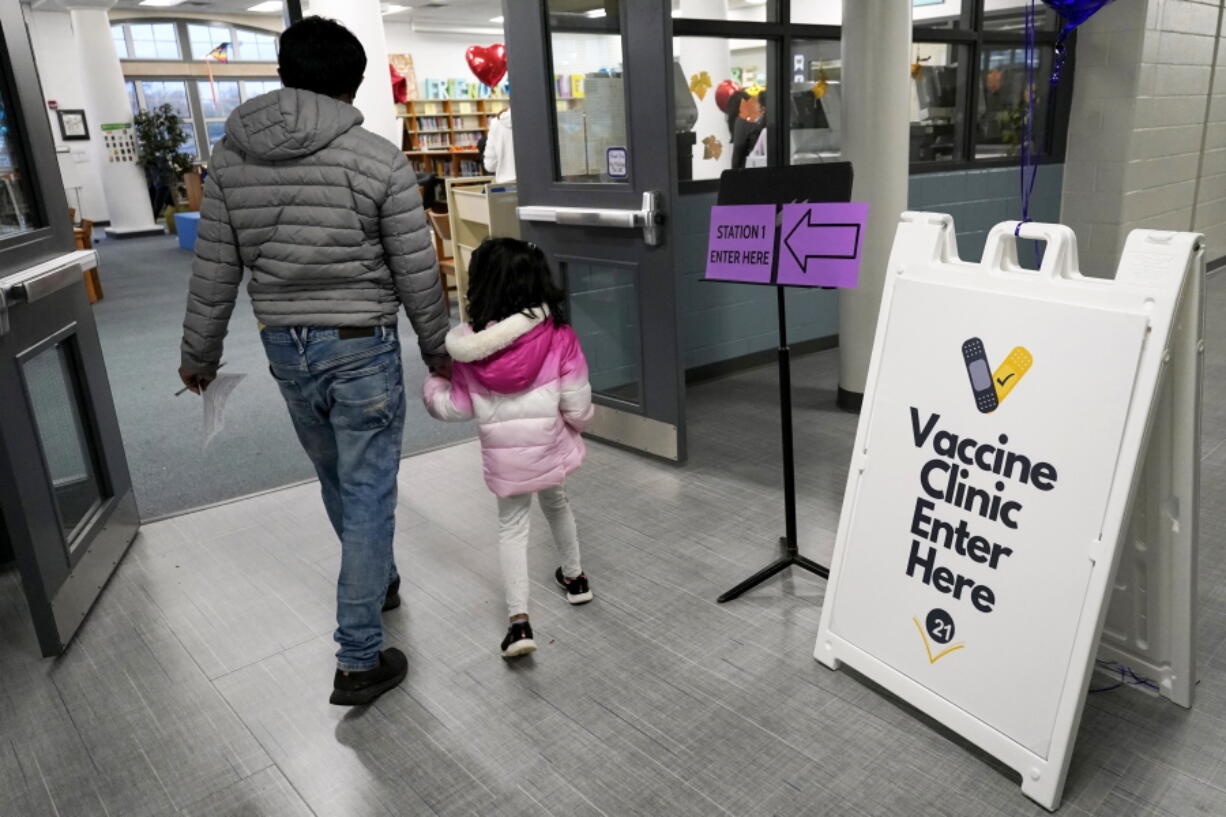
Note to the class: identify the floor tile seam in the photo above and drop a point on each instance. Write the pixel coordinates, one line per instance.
(258, 742)
(698, 695)
(272, 764)
(76, 728)
(634, 749)
(173, 629)
(220, 695)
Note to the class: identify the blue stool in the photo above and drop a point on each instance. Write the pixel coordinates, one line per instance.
(186, 225)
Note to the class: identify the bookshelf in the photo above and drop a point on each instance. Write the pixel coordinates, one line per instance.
(441, 135)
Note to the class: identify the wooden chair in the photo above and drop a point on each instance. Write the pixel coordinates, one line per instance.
(441, 225)
(85, 241)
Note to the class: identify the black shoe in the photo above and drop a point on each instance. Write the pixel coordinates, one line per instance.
(518, 641)
(362, 688)
(577, 589)
(392, 600)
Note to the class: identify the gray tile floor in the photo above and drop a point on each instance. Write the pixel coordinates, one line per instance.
(198, 685)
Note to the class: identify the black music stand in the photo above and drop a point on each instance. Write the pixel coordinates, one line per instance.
(830, 181)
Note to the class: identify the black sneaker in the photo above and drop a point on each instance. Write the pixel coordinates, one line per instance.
(362, 688)
(577, 589)
(392, 600)
(518, 641)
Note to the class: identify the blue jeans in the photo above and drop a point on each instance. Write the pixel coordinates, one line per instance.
(346, 398)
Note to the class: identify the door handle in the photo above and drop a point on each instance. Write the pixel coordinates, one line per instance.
(38, 282)
(650, 219)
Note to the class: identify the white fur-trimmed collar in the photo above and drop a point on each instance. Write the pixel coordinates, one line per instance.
(467, 346)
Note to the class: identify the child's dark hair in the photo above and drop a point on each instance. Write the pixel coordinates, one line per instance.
(321, 55)
(507, 276)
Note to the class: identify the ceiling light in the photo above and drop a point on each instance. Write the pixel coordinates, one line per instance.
(597, 13)
(392, 8)
(268, 7)
(755, 2)
(161, 3)
(499, 19)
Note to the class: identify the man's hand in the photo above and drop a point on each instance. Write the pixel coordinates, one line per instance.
(442, 369)
(196, 382)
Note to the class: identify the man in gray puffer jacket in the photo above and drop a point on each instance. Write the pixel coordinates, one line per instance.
(327, 217)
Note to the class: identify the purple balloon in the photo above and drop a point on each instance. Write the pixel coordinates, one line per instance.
(1075, 12)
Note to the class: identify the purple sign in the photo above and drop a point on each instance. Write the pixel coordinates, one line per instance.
(822, 244)
(742, 243)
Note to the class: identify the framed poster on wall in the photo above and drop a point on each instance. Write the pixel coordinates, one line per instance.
(72, 124)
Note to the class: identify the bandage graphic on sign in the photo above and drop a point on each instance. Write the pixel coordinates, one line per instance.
(1011, 371)
(976, 359)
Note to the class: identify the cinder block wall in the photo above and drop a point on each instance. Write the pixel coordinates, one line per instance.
(1147, 132)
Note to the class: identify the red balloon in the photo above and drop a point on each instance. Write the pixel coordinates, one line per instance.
(723, 91)
(488, 63)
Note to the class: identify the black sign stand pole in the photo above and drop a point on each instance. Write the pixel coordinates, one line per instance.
(800, 183)
(791, 552)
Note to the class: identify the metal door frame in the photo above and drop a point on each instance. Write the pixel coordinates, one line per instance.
(655, 425)
(37, 145)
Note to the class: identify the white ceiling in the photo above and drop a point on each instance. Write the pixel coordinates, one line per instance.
(449, 13)
(430, 14)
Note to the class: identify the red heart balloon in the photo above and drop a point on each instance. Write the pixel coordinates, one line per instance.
(724, 90)
(488, 63)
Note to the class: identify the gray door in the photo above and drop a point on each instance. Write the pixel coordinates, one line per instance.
(66, 509)
(594, 154)
(65, 493)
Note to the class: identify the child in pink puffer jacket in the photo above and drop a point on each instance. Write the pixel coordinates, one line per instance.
(524, 378)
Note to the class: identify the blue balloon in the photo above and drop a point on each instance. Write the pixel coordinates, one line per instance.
(1075, 12)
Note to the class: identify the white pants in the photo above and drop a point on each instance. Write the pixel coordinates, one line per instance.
(513, 541)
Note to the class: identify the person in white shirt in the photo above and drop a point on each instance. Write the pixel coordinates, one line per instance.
(500, 148)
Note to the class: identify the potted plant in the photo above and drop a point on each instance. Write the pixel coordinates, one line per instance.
(161, 134)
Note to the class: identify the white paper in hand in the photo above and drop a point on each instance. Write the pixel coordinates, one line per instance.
(215, 397)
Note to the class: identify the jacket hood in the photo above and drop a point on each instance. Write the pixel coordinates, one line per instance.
(506, 357)
(289, 123)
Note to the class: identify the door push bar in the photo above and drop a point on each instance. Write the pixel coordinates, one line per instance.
(40, 281)
(650, 219)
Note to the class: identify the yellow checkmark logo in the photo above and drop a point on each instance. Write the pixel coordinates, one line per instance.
(1011, 371)
(932, 659)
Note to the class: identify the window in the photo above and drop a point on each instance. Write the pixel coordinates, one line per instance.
(723, 128)
(209, 125)
(246, 44)
(186, 89)
(120, 38)
(154, 41)
(133, 100)
(255, 87)
(968, 91)
(156, 93)
(255, 46)
(216, 110)
(204, 38)
(160, 40)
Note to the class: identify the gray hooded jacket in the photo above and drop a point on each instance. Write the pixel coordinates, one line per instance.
(327, 217)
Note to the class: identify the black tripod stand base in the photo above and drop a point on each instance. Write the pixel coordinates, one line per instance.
(790, 558)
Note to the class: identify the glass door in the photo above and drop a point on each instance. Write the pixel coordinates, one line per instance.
(67, 514)
(595, 149)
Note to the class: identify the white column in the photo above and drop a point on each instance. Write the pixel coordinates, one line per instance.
(124, 185)
(365, 19)
(708, 54)
(876, 135)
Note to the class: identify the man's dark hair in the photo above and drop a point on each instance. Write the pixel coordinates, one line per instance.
(321, 55)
